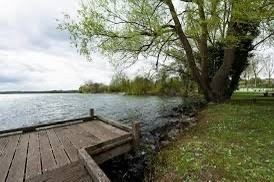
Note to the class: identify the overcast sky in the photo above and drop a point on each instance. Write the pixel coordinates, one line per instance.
(34, 55)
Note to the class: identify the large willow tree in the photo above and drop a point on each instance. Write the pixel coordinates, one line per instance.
(211, 38)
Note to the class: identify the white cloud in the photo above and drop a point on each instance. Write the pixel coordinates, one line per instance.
(33, 70)
(34, 55)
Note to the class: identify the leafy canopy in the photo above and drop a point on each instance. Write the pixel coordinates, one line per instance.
(127, 29)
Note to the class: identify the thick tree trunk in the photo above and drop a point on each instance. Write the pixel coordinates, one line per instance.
(220, 79)
(202, 82)
(216, 91)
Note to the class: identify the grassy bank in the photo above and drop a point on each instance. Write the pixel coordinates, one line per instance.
(232, 141)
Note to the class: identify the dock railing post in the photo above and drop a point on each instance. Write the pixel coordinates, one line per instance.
(91, 113)
(136, 134)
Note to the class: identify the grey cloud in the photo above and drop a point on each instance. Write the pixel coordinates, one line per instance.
(48, 35)
(53, 33)
(34, 55)
(11, 79)
(32, 68)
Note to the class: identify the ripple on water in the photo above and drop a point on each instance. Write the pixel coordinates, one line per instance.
(29, 109)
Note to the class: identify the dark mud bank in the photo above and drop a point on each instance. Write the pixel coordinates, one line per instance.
(133, 166)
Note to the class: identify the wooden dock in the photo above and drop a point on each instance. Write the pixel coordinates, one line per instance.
(64, 151)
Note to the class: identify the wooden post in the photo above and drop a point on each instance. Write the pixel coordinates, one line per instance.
(136, 134)
(91, 113)
(93, 169)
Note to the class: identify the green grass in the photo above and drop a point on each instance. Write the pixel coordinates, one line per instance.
(232, 141)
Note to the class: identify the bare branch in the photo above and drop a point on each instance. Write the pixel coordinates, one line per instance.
(264, 39)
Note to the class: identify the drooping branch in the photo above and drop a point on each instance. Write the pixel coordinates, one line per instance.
(161, 48)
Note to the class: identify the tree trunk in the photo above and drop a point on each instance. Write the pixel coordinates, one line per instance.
(245, 80)
(189, 53)
(269, 80)
(220, 79)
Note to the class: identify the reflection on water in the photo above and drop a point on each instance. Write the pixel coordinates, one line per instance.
(17, 110)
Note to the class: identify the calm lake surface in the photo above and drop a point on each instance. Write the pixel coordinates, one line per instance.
(17, 110)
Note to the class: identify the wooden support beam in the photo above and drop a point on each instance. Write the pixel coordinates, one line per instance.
(110, 154)
(93, 169)
(136, 134)
(108, 145)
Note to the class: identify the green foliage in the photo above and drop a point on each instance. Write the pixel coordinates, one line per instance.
(134, 27)
(91, 87)
(260, 83)
(161, 84)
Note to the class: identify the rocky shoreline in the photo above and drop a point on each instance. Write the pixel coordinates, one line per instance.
(133, 166)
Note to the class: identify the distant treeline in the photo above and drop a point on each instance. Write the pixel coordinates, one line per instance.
(257, 83)
(143, 85)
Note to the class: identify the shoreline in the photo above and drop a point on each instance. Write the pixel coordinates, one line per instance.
(133, 166)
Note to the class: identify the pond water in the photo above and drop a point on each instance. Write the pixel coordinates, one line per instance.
(17, 110)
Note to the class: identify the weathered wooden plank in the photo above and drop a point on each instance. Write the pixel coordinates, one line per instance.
(68, 146)
(112, 142)
(100, 147)
(33, 128)
(59, 125)
(10, 134)
(48, 162)
(102, 157)
(33, 167)
(72, 172)
(60, 155)
(104, 127)
(96, 130)
(113, 123)
(109, 128)
(17, 169)
(94, 170)
(77, 174)
(86, 178)
(75, 139)
(88, 137)
(7, 155)
(3, 144)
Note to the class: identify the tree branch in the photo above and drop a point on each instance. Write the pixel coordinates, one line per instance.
(264, 39)
(203, 42)
(185, 43)
(187, 1)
